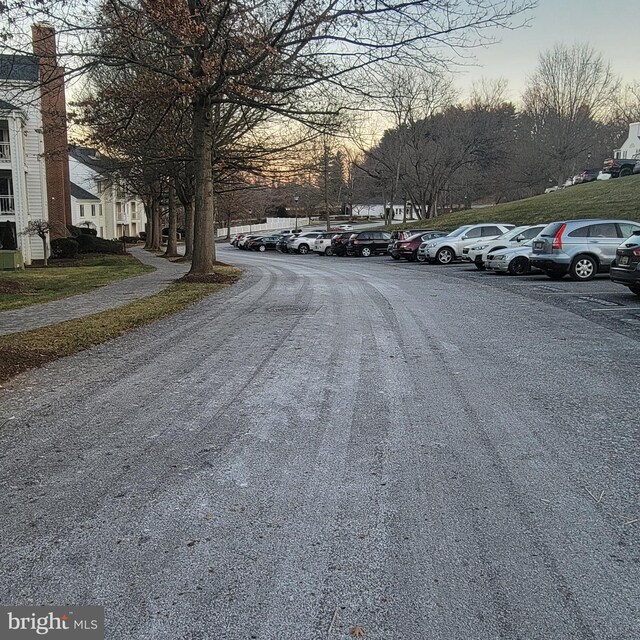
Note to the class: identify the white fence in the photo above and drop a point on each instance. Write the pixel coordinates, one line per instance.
(272, 224)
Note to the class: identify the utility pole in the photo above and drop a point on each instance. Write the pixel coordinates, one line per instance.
(326, 184)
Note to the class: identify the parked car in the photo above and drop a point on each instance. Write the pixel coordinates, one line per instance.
(367, 243)
(322, 245)
(626, 267)
(476, 253)
(245, 239)
(581, 248)
(264, 243)
(405, 234)
(589, 175)
(345, 227)
(449, 248)
(302, 243)
(408, 248)
(283, 239)
(512, 260)
(620, 167)
(339, 243)
(551, 189)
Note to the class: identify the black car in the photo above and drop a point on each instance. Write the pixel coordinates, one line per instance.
(281, 245)
(624, 269)
(264, 243)
(339, 243)
(367, 243)
(589, 175)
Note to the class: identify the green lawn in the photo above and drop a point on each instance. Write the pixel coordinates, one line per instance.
(616, 198)
(39, 284)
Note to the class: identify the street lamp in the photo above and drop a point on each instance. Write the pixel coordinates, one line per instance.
(296, 197)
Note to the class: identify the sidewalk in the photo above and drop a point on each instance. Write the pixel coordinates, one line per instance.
(102, 299)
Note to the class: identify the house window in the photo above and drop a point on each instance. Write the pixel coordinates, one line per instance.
(100, 211)
(93, 210)
(100, 186)
(5, 146)
(102, 232)
(134, 213)
(82, 211)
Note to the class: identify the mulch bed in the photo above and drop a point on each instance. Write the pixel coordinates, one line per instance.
(11, 286)
(210, 278)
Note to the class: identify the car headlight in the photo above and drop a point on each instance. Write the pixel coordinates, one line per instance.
(498, 257)
(423, 245)
(431, 245)
(479, 247)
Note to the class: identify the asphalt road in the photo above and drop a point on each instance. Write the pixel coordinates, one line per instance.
(336, 445)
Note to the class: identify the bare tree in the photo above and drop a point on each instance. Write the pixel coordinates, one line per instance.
(567, 98)
(42, 229)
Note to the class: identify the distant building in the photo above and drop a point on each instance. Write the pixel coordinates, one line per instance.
(101, 199)
(631, 147)
(377, 211)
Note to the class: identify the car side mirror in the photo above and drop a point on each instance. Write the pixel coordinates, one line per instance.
(636, 232)
(520, 238)
(465, 237)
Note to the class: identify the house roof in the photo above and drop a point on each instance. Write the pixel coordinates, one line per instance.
(7, 106)
(82, 194)
(92, 159)
(21, 68)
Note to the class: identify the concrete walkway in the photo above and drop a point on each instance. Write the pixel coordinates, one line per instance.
(101, 299)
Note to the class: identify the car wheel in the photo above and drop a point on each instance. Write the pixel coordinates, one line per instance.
(444, 256)
(412, 256)
(365, 252)
(634, 288)
(328, 251)
(395, 257)
(625, 171)
(583, 268)
(519, 266)
(420, 257)
(303, 249)
(262, 248)
(480, 265)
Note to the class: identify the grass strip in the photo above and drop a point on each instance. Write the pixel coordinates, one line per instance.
(65, 278)
(20, 352)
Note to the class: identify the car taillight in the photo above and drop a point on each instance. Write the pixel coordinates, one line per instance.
(557, 241)
(636, 252)
(356, 241)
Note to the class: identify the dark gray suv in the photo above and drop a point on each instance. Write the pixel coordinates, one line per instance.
(581, 248)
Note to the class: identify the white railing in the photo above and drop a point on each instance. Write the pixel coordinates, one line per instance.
(7, 204)
(272, 224)
(5, 151)
(122, 218)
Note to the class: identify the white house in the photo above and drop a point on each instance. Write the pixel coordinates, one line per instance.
(377, 211)
(23, 190)
(100, 199)
(631, 147)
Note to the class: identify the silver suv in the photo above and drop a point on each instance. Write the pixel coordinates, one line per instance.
(580, 248)
(445, 250)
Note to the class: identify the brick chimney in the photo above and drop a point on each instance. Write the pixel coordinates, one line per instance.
(54, 127)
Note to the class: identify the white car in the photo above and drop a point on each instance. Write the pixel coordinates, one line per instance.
(476, 253)
(322, 244)
(449, 248)
(514, 261)
(345, 227)
(303, 242)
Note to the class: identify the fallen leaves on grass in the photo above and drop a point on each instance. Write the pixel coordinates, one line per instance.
(357, 632)
(22, 351)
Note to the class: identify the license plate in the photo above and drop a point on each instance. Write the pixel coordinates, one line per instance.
(624, 260)
(538, 245)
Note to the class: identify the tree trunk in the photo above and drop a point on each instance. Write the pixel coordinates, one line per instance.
(172, 239)
(148, 205)
(188, 228)
(204, 241)
(44, 250)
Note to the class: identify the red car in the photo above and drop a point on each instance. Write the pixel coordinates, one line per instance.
(408, 248)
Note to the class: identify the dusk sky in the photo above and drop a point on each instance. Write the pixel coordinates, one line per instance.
(611, 28)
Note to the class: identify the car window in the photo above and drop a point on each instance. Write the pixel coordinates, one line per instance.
(581, 232)
(531, 233)
(627, 229)
(474, 233)
(491, 231)
(458, 232)
(363, 236)
(603, 230)
(551, 229)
